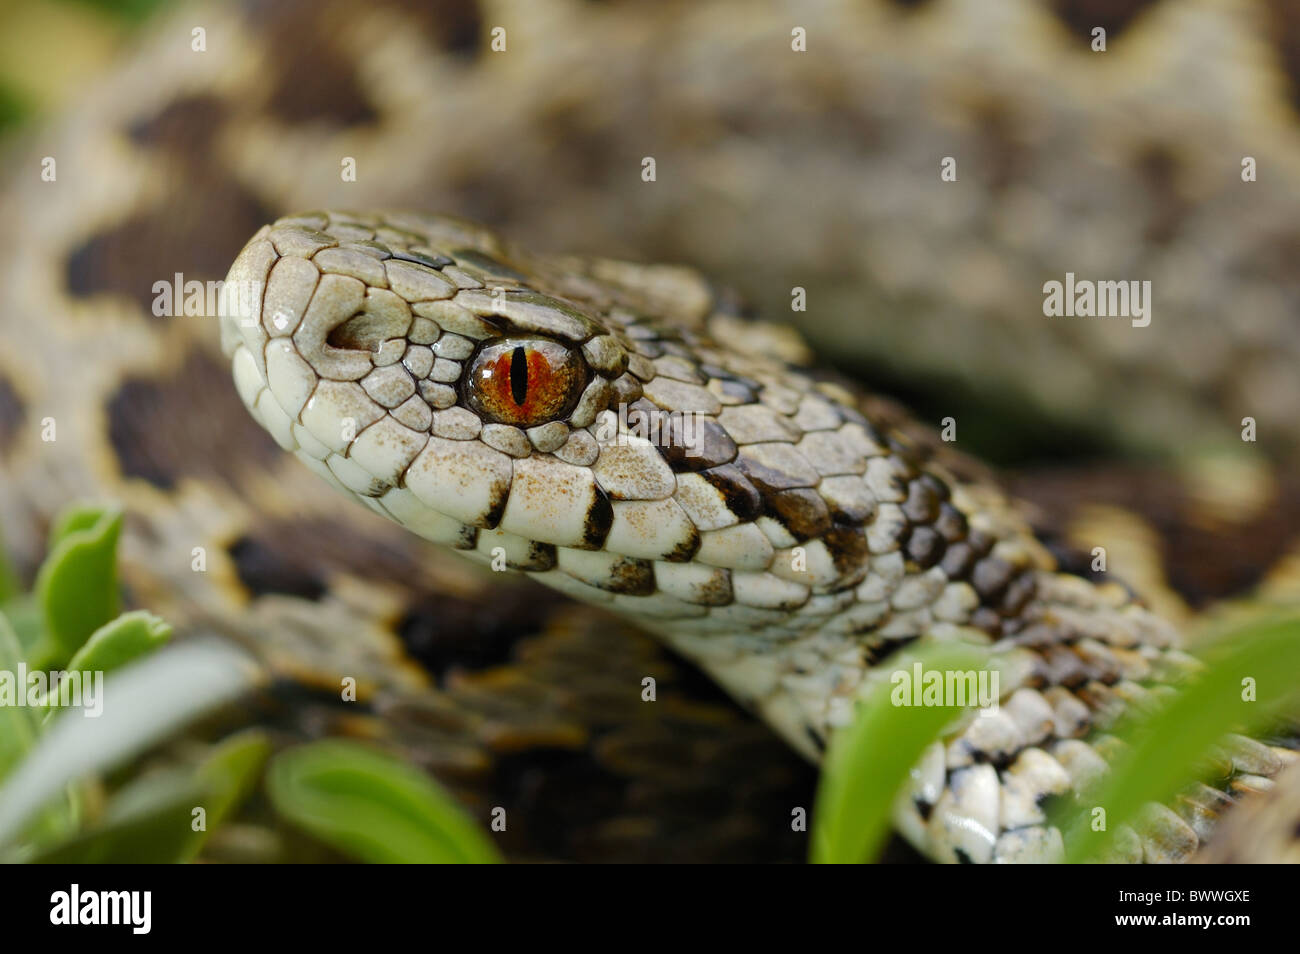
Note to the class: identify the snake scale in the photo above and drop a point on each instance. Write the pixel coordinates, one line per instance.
(776, 169)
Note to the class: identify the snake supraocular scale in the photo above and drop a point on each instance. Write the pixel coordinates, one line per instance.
(621, 433)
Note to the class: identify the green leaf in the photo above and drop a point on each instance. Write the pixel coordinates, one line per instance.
(18, 723)
(230, 774)
(19, 728)
(373, 806)
(870, 760)
(142, 704)
(155, 832)
(152, 820)
(1167, 747)
(9, 586)
(121, 641)
(76, 587)
(25, 617)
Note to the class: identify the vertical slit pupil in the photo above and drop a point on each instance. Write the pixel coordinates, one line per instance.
(519, 375)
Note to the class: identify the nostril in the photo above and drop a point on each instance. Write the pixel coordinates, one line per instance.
(363, 332)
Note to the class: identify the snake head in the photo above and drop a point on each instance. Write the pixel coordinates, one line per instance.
(408, 362)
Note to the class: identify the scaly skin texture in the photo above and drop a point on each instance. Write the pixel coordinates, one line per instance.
(788, 544)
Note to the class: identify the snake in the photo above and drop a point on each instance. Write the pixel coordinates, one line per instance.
(619, 433)
(776, 169)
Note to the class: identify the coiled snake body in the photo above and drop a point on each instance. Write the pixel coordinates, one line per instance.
(617, 432)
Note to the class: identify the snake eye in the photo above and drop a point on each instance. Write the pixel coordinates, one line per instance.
(524, 381)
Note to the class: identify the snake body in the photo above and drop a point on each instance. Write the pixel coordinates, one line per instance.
(776, 169)
(681, 470)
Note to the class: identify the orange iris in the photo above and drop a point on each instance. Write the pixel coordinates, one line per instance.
(524, 381)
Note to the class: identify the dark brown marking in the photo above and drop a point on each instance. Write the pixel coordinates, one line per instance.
(848, 548)
(922, 503)
(310, 76)
(1114, 16)
(924, 547)
(190, 423)
(957, 560)
(183, 129)
(541, 556)
(981, 543)
(951, 523)
(741, 497)
(1285, 17)
(599, 519)
(990, 578)
(300, 556)
(685, 551)
(801, 511)
(262, 569)
(197, 230)
(445, 632)
(710, 446)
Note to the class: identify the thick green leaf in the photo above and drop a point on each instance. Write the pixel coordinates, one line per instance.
(121, 641)
(76, 587)
(143, 703)
(869, 760)
(1167, 748)
(373, 806)
(152, 820)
